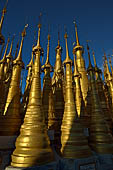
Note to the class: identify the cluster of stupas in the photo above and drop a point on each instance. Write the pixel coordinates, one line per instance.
(71, 117)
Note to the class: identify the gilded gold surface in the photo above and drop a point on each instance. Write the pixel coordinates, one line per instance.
(78, 51)
(2, 62)
(100, 138)
(3, 78)
(78, 93)
(32, 145)
(25, 98)
(47, 88)
(74, 143)
(11, 119)
(58, 94)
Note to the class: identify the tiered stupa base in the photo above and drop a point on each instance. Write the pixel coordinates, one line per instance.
(49, 166)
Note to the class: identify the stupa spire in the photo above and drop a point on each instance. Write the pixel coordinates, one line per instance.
(67, 52)
(58, 38)
(19, 58)
(77, 40)
(8, 63)
(2, 40)
(10, 51)
(47, 63)
(17, 65)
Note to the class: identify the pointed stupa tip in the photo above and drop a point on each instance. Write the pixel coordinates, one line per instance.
(58, 48)
(47, 60)
(58, 38)
(11, 47)
(77, 40)
(47, 63)
(38, 42)
(38, 46)
(39, 27)
(3, 13)
(24, 31)
(67, 60)
(2, 39)
(19, 58)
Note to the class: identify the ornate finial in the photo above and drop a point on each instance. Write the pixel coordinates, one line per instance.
(58, 49)
(38, 48)
(67, 53)
(66, 36)
(77, 40)
(24, 31)
(47, 63)
(104, 55)
(39, 26)
(58, 37)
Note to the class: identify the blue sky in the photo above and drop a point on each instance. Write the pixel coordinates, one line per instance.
(94, 20)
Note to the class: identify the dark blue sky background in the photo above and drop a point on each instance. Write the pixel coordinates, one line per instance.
(93, 17)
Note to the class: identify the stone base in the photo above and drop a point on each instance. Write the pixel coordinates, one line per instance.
(50, 166)
(105, 162)
(90, 163)
(6, 148)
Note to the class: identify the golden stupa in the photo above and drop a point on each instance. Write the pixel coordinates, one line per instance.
(67, 115)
